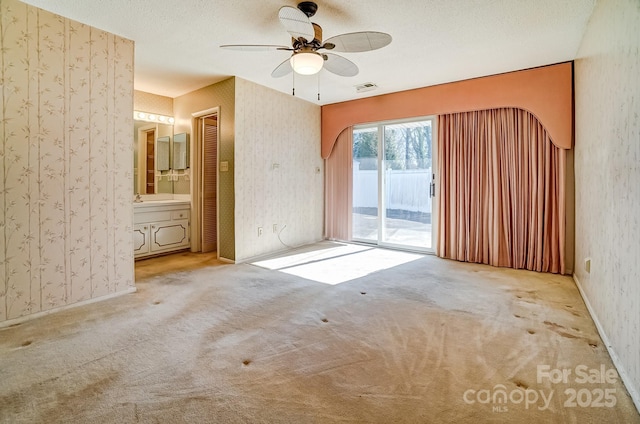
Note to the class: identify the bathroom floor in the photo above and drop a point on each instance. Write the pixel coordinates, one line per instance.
(175, 262)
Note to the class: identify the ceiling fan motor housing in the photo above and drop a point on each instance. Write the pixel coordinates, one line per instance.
(308, 7)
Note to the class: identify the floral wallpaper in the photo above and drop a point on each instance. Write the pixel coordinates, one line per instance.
(279, 172)
(65, 188)
(607, 174)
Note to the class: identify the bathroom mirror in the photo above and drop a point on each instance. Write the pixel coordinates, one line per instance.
(151, 157)
(162, 158)
(180, 155)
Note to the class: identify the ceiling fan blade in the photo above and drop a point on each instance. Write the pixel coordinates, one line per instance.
(359, 41)
(283, 69)
(296, 23)
(340, 65)
(254, 47)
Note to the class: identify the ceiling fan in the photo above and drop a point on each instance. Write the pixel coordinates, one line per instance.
(307, 46)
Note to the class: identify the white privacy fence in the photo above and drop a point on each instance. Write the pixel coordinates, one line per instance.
(405, 189)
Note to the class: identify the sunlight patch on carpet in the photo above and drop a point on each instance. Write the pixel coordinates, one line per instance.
(337, 263)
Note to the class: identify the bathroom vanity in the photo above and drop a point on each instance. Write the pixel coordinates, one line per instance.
(161, 226)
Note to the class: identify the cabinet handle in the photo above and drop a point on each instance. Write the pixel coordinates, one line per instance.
(145, 228)
(180, 215)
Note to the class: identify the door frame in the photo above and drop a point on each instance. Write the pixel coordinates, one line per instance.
(197, 187)
(380, 125)
(142, 157)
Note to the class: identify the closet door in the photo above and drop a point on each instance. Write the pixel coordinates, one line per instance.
(209, 183)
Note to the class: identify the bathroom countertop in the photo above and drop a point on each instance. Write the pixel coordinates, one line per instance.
(155, 203)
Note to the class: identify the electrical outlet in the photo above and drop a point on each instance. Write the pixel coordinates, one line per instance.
(259, 231)
(275, 228)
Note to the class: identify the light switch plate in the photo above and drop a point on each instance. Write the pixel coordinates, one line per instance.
(587, 265)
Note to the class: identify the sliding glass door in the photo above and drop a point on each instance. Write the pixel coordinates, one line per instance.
(365, 185)
(393, 180)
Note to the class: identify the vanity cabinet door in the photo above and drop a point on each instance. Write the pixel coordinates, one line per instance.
(141, 240)
(170, 235)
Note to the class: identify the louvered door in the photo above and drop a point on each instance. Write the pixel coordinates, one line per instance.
(209, 183)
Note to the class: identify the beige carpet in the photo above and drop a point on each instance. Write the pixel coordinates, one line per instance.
(331, 334)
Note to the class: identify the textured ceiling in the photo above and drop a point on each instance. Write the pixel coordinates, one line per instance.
(434, 41)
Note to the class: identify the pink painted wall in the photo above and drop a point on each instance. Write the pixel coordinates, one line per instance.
(546, 92)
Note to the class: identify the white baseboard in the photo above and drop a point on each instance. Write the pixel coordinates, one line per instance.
(29, 317)
(225, 260)
(622, 372)
(286, 249)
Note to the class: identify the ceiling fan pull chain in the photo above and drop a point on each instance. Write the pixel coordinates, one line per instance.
(294, 84)
(318, 86)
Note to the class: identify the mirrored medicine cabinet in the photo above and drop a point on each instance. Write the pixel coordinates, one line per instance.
(161, 159)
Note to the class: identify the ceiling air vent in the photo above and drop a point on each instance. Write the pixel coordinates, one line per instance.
(367, 86)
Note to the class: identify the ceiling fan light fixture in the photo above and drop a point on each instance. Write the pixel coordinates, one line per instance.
(306, 63)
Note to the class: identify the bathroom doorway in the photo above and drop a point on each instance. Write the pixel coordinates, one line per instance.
(151, 161)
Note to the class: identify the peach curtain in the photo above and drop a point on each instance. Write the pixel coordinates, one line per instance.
(338, 181)
(501, 191)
